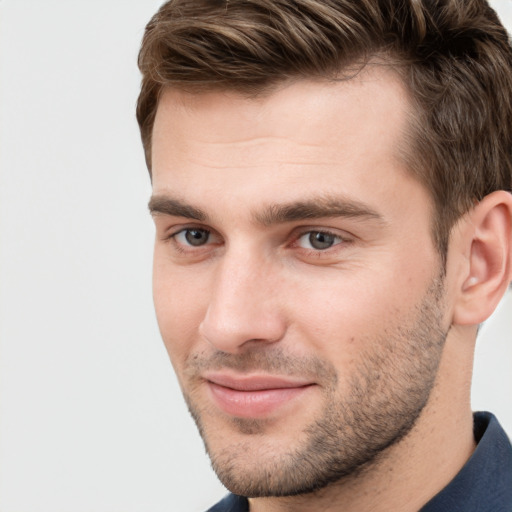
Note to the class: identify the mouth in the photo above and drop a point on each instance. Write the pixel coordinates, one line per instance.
(254, 396)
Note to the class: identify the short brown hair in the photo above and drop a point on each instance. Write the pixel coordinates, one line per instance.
(453, 55)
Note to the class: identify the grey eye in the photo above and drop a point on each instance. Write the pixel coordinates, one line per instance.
(195, 237)
(318, 240)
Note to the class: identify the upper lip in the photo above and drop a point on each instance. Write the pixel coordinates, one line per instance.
(255, 382)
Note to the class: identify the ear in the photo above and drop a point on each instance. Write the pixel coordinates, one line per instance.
(487, 245)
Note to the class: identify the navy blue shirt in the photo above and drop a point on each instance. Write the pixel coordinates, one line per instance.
(484, 484)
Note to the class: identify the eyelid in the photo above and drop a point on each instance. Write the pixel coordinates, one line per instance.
(345, 239)
(338, 233)
(171, 234)
(181, 237)
(171, 231)
(336, 239)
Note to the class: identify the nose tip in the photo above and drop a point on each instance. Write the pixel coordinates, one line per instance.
(231, 331)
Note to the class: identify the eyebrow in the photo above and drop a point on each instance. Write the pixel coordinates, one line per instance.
(316, 208)
(313, 208)
(164, 205)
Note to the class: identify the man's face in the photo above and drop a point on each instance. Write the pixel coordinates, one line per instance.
(296, 285)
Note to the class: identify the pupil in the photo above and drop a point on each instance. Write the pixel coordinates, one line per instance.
(321, 240)
(196, 236)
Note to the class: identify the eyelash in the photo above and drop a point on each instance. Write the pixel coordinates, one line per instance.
(188, 249)
(337, 240)
(182, 248)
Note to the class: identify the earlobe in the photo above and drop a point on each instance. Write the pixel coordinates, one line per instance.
(488, 242)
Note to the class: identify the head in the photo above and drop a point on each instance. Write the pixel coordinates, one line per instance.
(313, 164)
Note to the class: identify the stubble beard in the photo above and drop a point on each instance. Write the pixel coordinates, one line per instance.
(385, 397)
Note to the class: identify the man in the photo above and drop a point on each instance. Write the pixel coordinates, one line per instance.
(331, 194)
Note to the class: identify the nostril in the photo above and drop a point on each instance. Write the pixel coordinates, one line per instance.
(229, 333)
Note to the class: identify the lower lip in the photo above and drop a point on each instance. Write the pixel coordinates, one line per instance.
(253, 404)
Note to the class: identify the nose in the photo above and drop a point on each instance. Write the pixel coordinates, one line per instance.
(243, 307)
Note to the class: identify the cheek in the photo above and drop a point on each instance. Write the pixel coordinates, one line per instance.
(345, 314)
(180, 305)
(336, 324)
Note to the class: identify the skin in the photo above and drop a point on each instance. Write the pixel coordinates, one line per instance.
(379, 332)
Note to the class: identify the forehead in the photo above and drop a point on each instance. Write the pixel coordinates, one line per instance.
(345, 132)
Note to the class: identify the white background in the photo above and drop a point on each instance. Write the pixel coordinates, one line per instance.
(91, 417)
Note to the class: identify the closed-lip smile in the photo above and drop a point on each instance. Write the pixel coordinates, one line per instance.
(253, 395)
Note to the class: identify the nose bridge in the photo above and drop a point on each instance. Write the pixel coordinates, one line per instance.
(242, 304)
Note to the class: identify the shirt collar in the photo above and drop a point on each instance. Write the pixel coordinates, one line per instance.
(485, 481)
